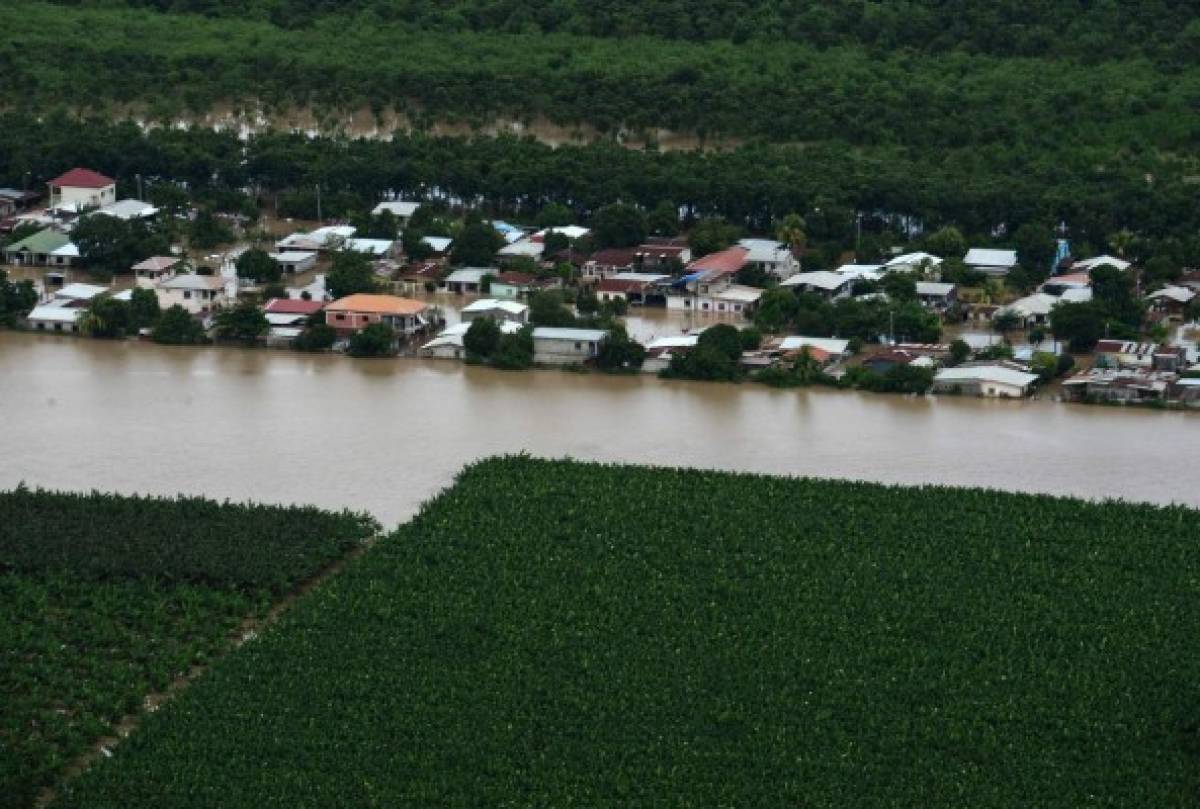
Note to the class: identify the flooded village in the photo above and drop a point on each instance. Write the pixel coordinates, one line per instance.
(434, 282)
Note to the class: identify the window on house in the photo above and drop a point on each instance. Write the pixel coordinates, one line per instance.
(341, 317)
(578, 346)
(187, 295)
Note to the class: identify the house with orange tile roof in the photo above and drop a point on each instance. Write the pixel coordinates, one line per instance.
(355, 312)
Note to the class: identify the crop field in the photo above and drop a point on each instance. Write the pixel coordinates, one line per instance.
(554, 633)
(106, 599)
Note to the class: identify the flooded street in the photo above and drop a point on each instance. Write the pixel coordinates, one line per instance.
(385, 435)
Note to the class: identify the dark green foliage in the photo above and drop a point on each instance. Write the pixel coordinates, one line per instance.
(351, 273)
(899, 286)
(912, 324)
(754, 275)
(947, 243)
(711, 235)
(555, 242)
(801, 372)
(176, 327)
(107, 318)
(107, 598)
(17, 299)
(555, 215)
(476, 245)
(244, 322)
(315, 337)
(663, 220)
(514, 351)
(413, 244)
(897, 379)
(751, 338)
(960, 351)
(257, 265)
(619, 225)
(482, 337)
(143, 308)
(618, 352)
(375, 340)
(1080, 324)
(207, 231)
(547, 308)
(98, 536)
(109, 245)
(715, 357)
(555, 634)
(1113, 291)
(1006, 321)
(751, 186)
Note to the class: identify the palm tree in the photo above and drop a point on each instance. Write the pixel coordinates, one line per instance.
(791, 232)
(1121, 241)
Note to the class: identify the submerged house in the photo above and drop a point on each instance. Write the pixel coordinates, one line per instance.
(555, 346)
(46, 248)
(995, 380)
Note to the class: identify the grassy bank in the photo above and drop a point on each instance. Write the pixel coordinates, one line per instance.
(109, 599)
(553, 633)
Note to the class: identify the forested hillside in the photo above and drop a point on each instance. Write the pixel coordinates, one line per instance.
(978, 113)
(1092, 30)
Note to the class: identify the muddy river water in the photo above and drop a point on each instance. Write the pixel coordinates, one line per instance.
(384, 435)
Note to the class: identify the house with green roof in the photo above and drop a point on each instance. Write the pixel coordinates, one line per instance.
(49, 247)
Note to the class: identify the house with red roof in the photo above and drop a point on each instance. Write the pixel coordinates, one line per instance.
(729, 260)
(81, 188)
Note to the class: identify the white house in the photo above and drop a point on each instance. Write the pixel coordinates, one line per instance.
(468, 280)
(552, 346)
(936, 295)
(129, 209)
(506, 310)
(401, 209)
(195, 293)
(154, 269)
(526, 248)
(992, 380)
(1033, 310)
(912, 262)
(832, 285)
(660, 351)
(773, 257)
(330, 237)
(80, 189)
(61, 313)
(295, 261)
(378, 248)
(991, 262)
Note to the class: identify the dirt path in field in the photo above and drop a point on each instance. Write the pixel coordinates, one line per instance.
(247, 630)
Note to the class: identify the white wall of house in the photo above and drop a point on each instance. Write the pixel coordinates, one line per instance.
(563, 352)
(86, 197)
(195, 301)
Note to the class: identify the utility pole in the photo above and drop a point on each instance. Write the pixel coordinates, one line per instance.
(857, 233)
(319, 218)
(139, 185)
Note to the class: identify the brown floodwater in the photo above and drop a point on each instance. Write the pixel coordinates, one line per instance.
(385, 435)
